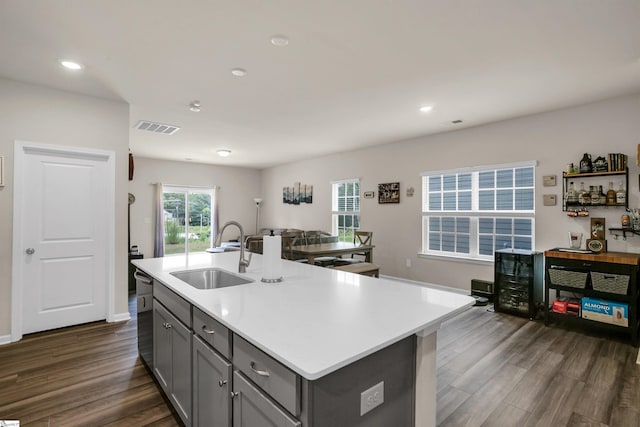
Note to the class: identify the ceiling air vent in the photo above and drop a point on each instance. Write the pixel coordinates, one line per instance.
(157, 127)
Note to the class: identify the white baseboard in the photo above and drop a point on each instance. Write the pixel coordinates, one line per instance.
(5, 339)
(427, 285)
(121, 317)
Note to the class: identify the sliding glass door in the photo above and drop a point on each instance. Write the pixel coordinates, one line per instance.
(187, 219)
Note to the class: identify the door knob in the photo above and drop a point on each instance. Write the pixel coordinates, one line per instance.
(30, 251)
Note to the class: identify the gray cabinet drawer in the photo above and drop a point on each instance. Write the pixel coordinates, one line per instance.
(252, 408)
(278, 381)
(213, 332)
(176, 305)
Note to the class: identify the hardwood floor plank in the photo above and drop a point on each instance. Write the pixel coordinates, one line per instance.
(149, 416)
(476, 409)
(577, 420)
(535, 382)
(448, 401)
(624, 417)
(506, 415)
(555, 405)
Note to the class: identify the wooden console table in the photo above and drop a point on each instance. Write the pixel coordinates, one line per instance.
(575, 273)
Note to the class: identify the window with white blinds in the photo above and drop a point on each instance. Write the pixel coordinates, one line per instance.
(346, 209)
(469, 213)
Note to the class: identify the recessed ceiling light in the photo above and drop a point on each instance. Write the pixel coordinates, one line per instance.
(71, 65)
(426, 108)
(279, 40)
(239, 72)
(195, 106)
(224, 153)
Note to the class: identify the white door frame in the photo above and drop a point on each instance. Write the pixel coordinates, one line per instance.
(21, 148)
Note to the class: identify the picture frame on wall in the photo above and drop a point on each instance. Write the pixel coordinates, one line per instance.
(389, 193)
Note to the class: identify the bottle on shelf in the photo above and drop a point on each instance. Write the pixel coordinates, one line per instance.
(611, 195)
(603, 197)
(595, 195)
(586, 164)
(572, 196)
(621, 196)
(625, 220)
(584, 198)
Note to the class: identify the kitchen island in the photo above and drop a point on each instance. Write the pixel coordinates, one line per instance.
(319, 320)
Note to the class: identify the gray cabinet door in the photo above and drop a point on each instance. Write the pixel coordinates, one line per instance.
(162, 359)
(181, 370)
(252, 408)
(172, 359)
(211, 387)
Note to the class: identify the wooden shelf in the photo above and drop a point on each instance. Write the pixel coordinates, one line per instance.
(593, 174)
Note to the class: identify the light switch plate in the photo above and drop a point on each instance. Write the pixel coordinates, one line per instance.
(371, 398)
(549, 180)
(549, 199)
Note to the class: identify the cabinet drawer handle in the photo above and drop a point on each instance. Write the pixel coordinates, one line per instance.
(207, 331)
(234, 394)
(261, 373)
(167, 325)
(222, 383)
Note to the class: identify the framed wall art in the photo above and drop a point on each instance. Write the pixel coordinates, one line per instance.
(299, 193)
(389, 193)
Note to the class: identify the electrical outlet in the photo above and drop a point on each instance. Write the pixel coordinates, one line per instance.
(371, 398)
(408, 262)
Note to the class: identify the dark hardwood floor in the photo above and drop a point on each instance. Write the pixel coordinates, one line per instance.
(493, 370)
(86, 375)
(501, 370)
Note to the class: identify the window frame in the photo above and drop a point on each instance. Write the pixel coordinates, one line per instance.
(336, 212)
(471, 211)
(187, 191)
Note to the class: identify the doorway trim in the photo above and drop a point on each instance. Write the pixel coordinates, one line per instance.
(21, 149)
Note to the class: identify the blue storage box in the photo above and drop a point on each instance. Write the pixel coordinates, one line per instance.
(615, 313)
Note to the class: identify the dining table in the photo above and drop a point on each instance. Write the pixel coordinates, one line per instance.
(311, 252)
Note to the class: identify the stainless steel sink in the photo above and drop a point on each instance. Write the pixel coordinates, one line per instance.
(210, 278)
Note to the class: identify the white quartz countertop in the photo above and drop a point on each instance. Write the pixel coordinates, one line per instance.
(317, 319)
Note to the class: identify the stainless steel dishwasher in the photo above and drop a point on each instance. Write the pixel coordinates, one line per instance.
(144, 293)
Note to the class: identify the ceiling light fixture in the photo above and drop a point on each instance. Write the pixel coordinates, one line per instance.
(70, 65)
(223, 153)
(239, 72)
(195, 106)
(279, 40)
(426, 109)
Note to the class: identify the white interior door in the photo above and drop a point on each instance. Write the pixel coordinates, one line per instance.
(63, 240)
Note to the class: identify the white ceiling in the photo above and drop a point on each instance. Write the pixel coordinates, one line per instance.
(353, 75)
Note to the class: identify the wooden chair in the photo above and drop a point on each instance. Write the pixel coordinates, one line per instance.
(254, 244)
(315, 237)
(362, 238)
(289, 240)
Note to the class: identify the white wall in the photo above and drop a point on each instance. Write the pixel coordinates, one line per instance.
(553, 139)
(238, 187)
(38, 114)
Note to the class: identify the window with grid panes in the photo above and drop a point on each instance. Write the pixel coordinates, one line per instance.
(346, 209)
(469, 213)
